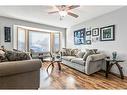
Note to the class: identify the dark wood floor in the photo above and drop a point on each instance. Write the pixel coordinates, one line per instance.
(69, 78)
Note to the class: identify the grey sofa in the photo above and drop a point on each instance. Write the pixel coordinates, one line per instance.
(92, 64)
(20, 74)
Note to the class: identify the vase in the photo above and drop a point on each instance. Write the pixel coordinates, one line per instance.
(114, 54)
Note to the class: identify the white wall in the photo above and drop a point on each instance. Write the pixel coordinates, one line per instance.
(9, 22)
(119, 19)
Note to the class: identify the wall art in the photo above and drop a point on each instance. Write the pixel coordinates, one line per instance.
(7, 34)
(79, 37)
(107, 33)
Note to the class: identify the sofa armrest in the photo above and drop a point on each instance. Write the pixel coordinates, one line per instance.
(95, 57)
(16, 67)
(94, 63)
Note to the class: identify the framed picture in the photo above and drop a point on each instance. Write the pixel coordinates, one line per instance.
(95, 32)
(7, 34)
(79, 37)
(88, 33)
(88, 42)
(107, 33)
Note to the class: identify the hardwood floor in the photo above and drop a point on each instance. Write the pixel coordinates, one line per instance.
(69, 78)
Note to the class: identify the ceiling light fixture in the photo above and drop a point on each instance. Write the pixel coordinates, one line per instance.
(63, 13)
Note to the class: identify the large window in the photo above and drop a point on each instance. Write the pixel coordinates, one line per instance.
(21, 39)
(39, 41)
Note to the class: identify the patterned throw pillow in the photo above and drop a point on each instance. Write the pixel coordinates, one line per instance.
(16, 56)
(87, 53)
(63, 51)
(2, 56)
(92, 50)
(68, 52)
(74, 52)
(80, 54)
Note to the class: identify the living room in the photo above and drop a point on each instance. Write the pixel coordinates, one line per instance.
(63, 46)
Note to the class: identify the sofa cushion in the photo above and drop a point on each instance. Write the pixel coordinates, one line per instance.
(78, 61)
(68, 58)
(80, 54)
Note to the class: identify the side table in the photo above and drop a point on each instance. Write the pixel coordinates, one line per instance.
(110, 63)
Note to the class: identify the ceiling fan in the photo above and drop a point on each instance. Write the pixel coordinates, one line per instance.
(64, 10)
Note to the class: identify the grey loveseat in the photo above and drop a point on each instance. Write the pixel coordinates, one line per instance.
(20, 74)
(18, 70)
(92, 64)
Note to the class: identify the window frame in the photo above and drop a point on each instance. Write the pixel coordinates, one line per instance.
(25, 37)
(52, 41)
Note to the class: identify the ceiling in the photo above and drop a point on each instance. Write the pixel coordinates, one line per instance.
(39, 14)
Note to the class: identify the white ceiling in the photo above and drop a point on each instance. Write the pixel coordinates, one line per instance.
(39, 14)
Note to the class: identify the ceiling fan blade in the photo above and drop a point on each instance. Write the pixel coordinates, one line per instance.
(53, 12)
(72, 14)
(73, 6)
(58, 7)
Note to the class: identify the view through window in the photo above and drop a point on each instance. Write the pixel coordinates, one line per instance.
(39, 41)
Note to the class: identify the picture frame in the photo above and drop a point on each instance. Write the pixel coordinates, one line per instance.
(88, 33)
(107, 33)
(7, 34)
(95, 32)
(88, 42)
(79, 36)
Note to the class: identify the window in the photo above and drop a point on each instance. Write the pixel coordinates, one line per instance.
(56, 41)
(39, 41)
(21, 39)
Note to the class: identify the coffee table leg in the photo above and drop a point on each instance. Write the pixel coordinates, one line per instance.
(50, 65)
(59, 66)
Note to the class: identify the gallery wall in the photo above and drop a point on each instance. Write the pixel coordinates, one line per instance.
(117, 18)
(10, 22)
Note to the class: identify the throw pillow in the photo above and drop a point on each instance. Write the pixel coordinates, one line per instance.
(92, 50)
(74, 52)
(63, 51)
(87, 53)
(80, 54)
(17, 50)
(68, 52)
(16, 56)
(11, 55)
(2, 56)
(23, 56)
